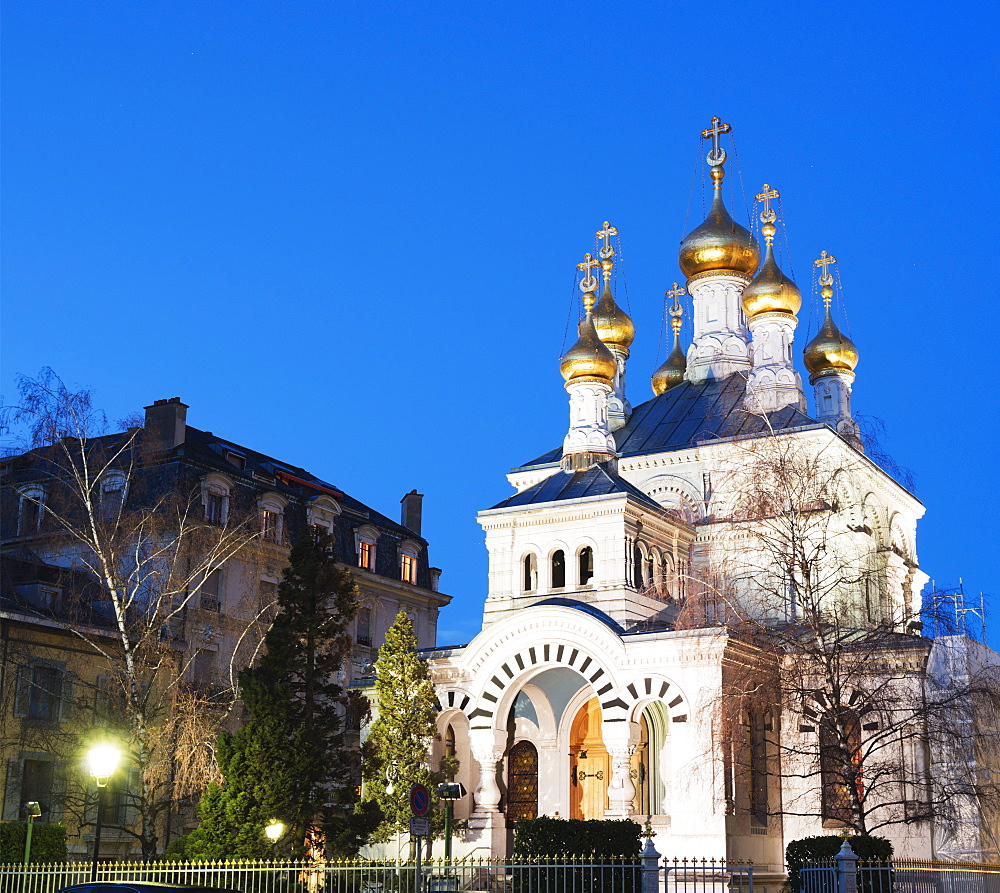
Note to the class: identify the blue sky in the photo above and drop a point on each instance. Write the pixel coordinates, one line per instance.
(345, 233)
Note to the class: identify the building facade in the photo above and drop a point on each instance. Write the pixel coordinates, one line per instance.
(194, 532)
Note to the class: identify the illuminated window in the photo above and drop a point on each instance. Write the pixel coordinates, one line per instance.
(366, 554)
(840, 765)
(408, 569)
(558, 569)
(586, 565)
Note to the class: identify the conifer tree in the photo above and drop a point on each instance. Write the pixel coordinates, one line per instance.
(400, 737)
(292, 761)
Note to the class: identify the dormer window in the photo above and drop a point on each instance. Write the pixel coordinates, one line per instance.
(215, 489)
(366, 538)
(29, 514)
(112, 495)
(408, 568)
(235, 459)
(272, 517)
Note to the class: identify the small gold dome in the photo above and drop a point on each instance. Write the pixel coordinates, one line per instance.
(719, 243)
(771, 290)
(830, 350)
(613, 325)
(671, 373)
(588, 358)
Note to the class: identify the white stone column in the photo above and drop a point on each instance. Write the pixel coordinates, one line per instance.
(621, 790)
(721, 344)
(486, 824)
(619, 409)
(774, 382)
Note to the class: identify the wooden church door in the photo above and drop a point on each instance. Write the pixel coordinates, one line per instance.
(522, 782)
(588, 765)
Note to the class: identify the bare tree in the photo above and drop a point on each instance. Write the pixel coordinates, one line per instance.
(828, 685)
(131, 517)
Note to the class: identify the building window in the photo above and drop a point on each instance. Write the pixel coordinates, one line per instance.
(112, 495)
(36, 784)
(366, 555)
(43, 693)
(204, 670)
(840, 765)
(558, 569)
(757, 744)
(235, 459)
(30, 511)
(363, 634)
(637, 566)
(215, 489)
(211, 591)
(268, 591)
(269, 525)
(408, 568)
(650, 569)
(586, 565)
(213, 508)
(112, 804)
(530, 581)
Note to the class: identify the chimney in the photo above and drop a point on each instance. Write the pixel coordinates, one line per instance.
(166, 421)
(410, 516)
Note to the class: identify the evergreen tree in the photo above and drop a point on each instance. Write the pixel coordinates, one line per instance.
(292, 760)
(399, 739)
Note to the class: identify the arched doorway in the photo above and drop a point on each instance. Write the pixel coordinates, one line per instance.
(522, 782)
(588, 764)
(649, 761)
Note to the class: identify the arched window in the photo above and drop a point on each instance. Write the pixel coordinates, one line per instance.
(30, 510)
(637, 566)
(650, 569)
(840, 764)
(530, 573)
(757, 746)
(558, 569)
(586, 558)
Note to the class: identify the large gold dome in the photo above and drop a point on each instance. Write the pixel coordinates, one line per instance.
(588, 358)
(613, 325)
(830, 350)
(771, 290)
(671, 373)
(719, 243)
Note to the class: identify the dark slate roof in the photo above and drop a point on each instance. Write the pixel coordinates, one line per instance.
(595, 481)
(689, 413)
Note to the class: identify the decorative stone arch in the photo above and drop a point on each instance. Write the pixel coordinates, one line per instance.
(875, 521)
(899, 539)
(656, 687)
(849, 505)
(812, 710)
(676, 495)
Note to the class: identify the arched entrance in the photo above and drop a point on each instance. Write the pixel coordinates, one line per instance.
(522, 782)
(588, 764)
(649, 769)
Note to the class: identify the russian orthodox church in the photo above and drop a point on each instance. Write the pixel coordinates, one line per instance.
(583, 696)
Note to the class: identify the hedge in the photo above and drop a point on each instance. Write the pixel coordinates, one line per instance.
(798, 852)
(48, 842)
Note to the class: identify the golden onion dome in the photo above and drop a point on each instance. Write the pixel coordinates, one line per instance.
(671, 373)
(613, 325)
(771, 290)
(830, 350)
(719, 243)
(589, 357)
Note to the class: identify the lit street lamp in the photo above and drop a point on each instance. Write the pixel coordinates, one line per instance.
(102, 761)
(274, 831)
(32, 810)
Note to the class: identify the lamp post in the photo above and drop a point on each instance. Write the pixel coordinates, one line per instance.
(102, 761)
(32, 810)
(274, 831)
(449, 791)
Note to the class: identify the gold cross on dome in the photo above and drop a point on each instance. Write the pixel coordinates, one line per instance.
(765, 196)
(676, 292)
(824, 261)
(607, 249)
(718, 154)
(588, 283)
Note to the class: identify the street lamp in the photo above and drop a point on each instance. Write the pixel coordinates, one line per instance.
(102, 761)
(274, 831)
(449, 791)
(32, 810)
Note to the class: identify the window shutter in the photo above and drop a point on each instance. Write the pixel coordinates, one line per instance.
(12, 792)
(66, 698)
(22, 696)
(57, 806)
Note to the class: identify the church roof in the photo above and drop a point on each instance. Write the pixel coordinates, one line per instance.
(690, 413)
(597, 480)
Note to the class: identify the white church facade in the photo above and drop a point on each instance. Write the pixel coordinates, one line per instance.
(594, 690)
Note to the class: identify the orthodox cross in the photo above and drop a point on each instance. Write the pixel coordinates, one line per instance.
(765, 196)
(675, 293)
(718, 154)
(824, 261)
(607, 249)
(589, 282)
(676, 310)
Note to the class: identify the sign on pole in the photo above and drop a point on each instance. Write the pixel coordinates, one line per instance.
(420, 800)
(420, 826)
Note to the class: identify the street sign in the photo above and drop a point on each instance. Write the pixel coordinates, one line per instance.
(420, 799)
(420, 826)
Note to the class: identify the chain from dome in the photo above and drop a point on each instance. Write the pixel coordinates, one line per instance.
(671, 372)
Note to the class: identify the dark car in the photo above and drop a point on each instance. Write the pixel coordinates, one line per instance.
(141, 887)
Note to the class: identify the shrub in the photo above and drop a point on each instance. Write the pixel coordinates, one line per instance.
(48, 842)
(799, 852)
